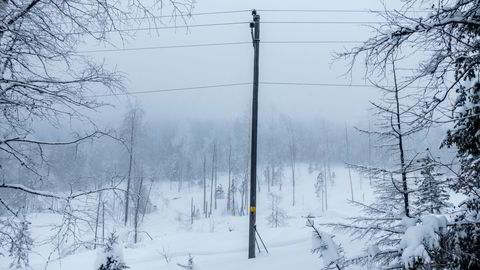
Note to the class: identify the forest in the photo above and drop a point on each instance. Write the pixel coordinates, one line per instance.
(88, 168)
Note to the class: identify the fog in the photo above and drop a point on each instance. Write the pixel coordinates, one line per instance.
(157, 69)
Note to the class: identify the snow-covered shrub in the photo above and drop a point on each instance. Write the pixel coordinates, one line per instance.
(463, 240)
(219, 192)
(323, 244)
(277, 216)
(320, 184)
(420, 240)
(111, 258)
(21, 245)
(189, 265)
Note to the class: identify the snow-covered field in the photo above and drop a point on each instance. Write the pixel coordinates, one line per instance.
(220, 242)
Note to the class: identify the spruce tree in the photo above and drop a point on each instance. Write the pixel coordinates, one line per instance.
(463, 242)
(112, 258)
(432, 195)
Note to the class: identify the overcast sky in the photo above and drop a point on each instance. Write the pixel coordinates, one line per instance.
(306, 63)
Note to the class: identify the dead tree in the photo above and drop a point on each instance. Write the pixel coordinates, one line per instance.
(212, 183)
(229, 189)
(138, 207)
(205, 209)
(292, 149)
(347, 159)
(133, 116)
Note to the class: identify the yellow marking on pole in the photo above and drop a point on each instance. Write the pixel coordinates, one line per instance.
(253, 209)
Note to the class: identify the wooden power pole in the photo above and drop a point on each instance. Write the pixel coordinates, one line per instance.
(255, 29)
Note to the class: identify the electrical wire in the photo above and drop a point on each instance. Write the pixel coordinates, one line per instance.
(322, 22)
(339, 11)
(188, 26)
(165, 47)
(189, 15)
(172, 89)
(204, 87)
(154, 28)
(222, 44)
(334, 85)
(311, 42)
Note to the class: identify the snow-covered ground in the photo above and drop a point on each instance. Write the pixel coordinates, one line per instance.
(220, 242)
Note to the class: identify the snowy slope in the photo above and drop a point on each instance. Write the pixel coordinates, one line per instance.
(220, 242)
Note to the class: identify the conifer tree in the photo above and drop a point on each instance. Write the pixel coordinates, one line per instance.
(432, 195)
(463, 242)
(277, 216)
(112, 257)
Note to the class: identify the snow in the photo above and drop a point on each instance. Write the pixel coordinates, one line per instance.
(323, 243)
(220, 242)
(116, 253)
(419, 237)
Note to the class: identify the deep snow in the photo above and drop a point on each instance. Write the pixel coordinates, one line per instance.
(220, 242)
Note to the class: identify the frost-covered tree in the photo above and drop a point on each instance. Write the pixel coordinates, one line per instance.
(219, 192)
(277, 216)
(464, 237)
(320, 187)
(326, 248)
(112, 256)
(444, 42)
(21, 245)
(432, 194)
(382, 223)
(44, 81)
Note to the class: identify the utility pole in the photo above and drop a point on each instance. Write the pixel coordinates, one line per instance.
(255, 30)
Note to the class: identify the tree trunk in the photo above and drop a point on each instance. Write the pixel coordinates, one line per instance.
(326, 185)
(229, 190)
(103, 222)
(130, 164)
(212, 182)
(348, 158)
(400, 146)
(205, 186)
(137, 211)
(97, 219)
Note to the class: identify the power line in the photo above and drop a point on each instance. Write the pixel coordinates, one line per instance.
(311, 42)
(188, 26)
(323, 22)
(188, 15)
(223, 44)
(173, 89)
(223, 12)
(340, 11)
(335, 85)
(154, 28)
(166, 47)
(204, 87)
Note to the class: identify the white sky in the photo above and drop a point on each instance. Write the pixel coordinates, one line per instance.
(309, 63)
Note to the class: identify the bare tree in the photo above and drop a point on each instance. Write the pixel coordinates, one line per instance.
(138, 208)
(292, 149)
(229, 189)
(43, 79)
(347, 146)
(382, 220)
(212, 182)
(205, 210)
(133, 119)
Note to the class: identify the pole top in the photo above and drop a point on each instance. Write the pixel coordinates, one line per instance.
(254, 12)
